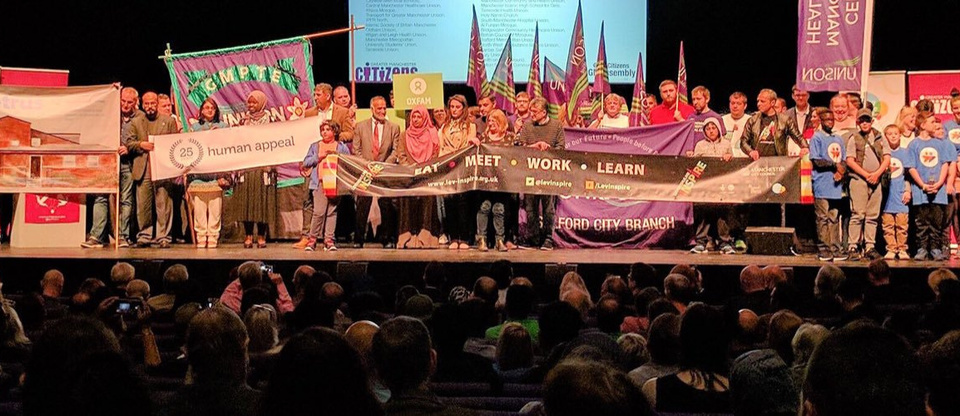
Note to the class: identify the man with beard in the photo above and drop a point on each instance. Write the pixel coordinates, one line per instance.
(151, 195)
(702, 112)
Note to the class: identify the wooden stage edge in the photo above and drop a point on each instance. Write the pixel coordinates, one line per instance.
(283, 252)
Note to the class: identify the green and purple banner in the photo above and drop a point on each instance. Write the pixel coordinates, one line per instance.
(833, 44)
(282, 69)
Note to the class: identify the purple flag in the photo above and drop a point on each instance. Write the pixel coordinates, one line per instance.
(477, 67)
(637, 116)
(554, 88)
(504, 92)
(281, 69)
(598, 223)
(601, 81)
(576, 79)
(534, 87)
(682, 80)
(833, 47)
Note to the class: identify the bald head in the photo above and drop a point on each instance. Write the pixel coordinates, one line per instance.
(748, 321)
(52, 283)
(486, 288)
(360, 337)
(752, 279)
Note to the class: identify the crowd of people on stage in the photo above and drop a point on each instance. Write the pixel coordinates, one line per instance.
(867, 179)
(683, 342)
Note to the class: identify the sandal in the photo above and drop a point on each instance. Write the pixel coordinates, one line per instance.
(262, 243)
(248, 243)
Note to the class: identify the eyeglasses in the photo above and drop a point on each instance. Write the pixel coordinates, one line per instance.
(865, 120)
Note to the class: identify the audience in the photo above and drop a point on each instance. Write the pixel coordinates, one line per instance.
(174, 280)
(578, 387)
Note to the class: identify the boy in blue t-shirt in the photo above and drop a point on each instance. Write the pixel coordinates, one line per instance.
(929, 164)
(952, 134)
(829, 167)
(896, 213)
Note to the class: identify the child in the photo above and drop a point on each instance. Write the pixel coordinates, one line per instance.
(896, 213)
(324, 208)
(928, 164)
(828, 156)
(715, 215)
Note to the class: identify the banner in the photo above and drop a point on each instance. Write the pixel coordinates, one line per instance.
(237, 148)
(934, 86)
(282, 69)
(33, 77)
(833, 44)
(888, 93)
(52, 208)
(596, 175)
(418, 89)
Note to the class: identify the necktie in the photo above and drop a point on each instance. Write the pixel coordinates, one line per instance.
(376, 140)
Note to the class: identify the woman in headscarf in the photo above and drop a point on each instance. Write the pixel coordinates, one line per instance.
(206, 190)
(256, 188)
(459, 132)
(419, 224)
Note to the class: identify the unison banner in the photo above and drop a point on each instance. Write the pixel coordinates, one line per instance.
(282, 69)
(833, 44)
(610, 222)
(237, 148)
(888, 93)
(598, 175)
(934, 86)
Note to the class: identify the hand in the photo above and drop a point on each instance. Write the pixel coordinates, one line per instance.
(540, 146)
(517, 125)
(276, 278)
(353, 111)
(727, 157)
(842, 169)
(677, 116)
(689, 153)
(873, 178)
(223, 183)
(837, 176)
(754, 154)
(122, 151)
(906, 197)
(146, 146)
(474, 141)
(330, 152)
(804, 151)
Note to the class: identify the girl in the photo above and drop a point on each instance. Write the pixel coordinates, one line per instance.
(324, 207)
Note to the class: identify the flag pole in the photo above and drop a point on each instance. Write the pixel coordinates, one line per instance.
(353, 60)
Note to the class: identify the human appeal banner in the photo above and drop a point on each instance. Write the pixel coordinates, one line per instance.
(593, 175)
(233, 149)
(833, 44)
(935, 86)
(282, 69)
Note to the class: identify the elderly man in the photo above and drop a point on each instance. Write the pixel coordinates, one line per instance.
(670, 110)
(376, 141)
(161, 193)
(766, 132)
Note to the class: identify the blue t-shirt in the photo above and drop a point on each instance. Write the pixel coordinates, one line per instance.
(825, 146)
(894, 204)
(953, 132)
(928, 157)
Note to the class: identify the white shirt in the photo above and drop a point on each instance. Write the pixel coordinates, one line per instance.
(802, 117)
(734, 131)
(619, 122)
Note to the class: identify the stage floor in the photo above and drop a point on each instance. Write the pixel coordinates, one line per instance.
(283, 252)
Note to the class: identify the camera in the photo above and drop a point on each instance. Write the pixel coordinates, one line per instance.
(266, 268)
(127, 306)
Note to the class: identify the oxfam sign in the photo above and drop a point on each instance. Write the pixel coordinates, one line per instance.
(411, 90)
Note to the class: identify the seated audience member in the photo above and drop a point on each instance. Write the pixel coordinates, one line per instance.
(577, 387)
(418, 306)
(73, 365)
(748, 334)
(485, 288)
(616, 286)
(250, 274)
(642, 276)
(783, 327)
(679, 290)
(519, 307)
(660, 307)
(478, 317)
(307, 282)
(882, 292)
(579, 300)
(261, 324)
(807, 338)
(319, 373)
(559, 324)
(863, 369)
(852, 298)
(405, 361)
(81, 301)
(760, 384)
(332, 295)
(937, 276)
(664, 347)
(51, 287)
(609, 315)
(944, 316)
(941, 367)
(501, 271)
(121, 274)
(434, 280)
(138, 289)
(174, 278)
(635, 348)
(449, 336)
(755, 291)
(824, 305)
(360, 337)
(14, 344)
(216, 348)
(640, 323)
(690, 272)
(514, 353)
(701, 385)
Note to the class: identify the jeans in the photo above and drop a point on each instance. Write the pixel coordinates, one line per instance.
(532, 205)
(828, 227)
(101, 208)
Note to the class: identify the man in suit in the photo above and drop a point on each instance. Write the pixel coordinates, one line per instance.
(802, 111)
(326, 109)
(150, 195)
(376, 141)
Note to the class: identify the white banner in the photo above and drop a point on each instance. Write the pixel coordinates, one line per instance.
(888, 93)
(230, 149)
(68, 117)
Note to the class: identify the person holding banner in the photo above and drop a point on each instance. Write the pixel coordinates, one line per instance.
(326, 109)
(523, 111)
(495, 203)
(440, 117)
(150, 195)
(324, 207)
(766, 131)
(376, 141)
(419, 222)
(459, 133)
(206, 191)
(717, 216)
(256, 188)
(541, 133)
(611, 118)
(702, 112)
(734, 122)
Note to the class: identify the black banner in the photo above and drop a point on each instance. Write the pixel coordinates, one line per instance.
(601, 175)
